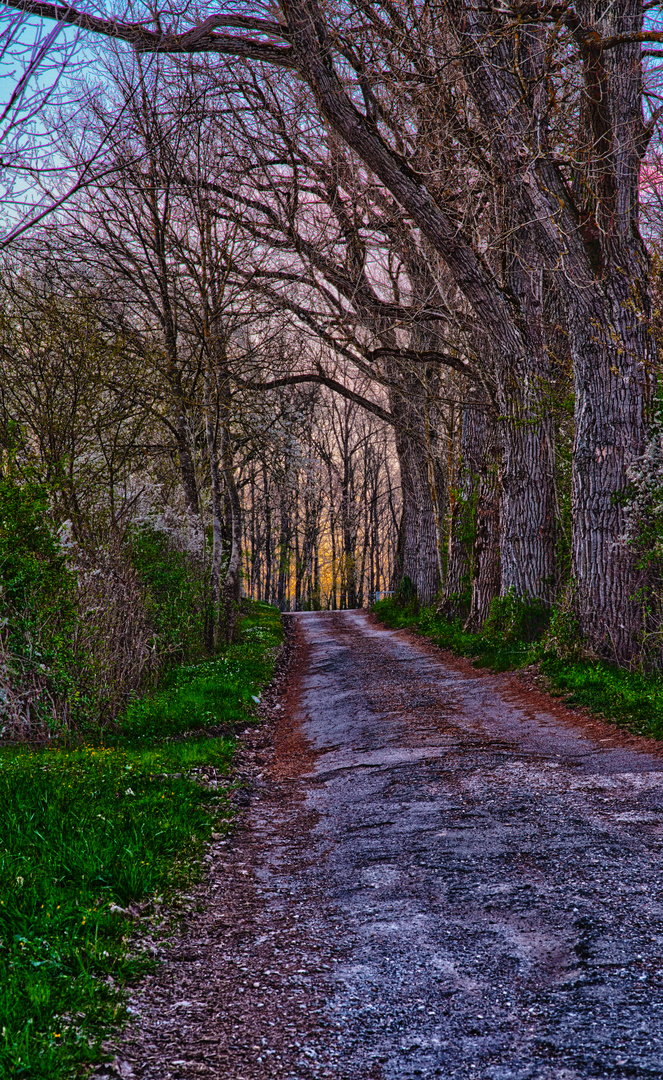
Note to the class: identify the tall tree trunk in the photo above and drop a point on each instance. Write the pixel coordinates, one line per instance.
(268, 596)
(284, 551)
(232, 585)
(418, 541)
(433, 475)
(528, 518)
(185, 457)
(613, 351)
(255, 543)
(612, 370)
(349, 536)
(217, 517)
(482, 449)
(461, 508)
(418, 550)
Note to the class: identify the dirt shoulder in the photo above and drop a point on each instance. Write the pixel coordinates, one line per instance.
(240, 982)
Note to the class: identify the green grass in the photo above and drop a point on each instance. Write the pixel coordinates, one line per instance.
(87, 829)
(629, 698)
(218, 691)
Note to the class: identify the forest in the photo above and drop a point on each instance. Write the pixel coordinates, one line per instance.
(303, 305)
(317, 305)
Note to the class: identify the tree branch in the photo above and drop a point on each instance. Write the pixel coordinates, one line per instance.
(198, 39)
(322, 380)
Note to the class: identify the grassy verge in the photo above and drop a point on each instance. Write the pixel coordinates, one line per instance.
(628, 698)
(89, 830)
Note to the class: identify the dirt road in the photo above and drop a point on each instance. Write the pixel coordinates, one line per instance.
(438, 877)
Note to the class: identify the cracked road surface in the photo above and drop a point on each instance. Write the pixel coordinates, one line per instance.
(468, 880)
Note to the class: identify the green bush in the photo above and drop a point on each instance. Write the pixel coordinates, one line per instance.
(222, 690)
(37, 588)
(39, 619)
(405, 595)
(512, 619)
(176, 592)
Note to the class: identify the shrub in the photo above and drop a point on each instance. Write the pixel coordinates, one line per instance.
(175, 592)
(38, 593)
(116, 653)
(37, 587)
(405, 595)
(512, 619)
(84, 630)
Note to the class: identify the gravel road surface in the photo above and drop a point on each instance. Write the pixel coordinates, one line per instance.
(439, 876)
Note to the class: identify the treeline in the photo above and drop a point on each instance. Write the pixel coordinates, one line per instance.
(121, 555)
(353, 298)
(321, 521)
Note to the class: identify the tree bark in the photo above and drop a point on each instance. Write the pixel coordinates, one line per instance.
(217, 518)
(418, 540)
(593, 248)
(482, 453)
(232, 585)
(528, 515)
(461, 512)
(612, 369)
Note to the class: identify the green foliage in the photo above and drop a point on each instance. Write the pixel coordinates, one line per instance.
(86, 829)
(176, 592)
(627, 697)
(217, 691)
(37, 596)
(514, 620)
(492, 649)
(37, 587)
(563, 639)
(405, 596)
(630, 698)
(456, 606)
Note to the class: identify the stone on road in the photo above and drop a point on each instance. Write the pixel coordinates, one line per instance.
(483, 873)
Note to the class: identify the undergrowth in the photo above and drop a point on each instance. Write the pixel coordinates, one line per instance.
(517, 635)
(86, 830)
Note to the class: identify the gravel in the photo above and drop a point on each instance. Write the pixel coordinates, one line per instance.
(442, 872)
